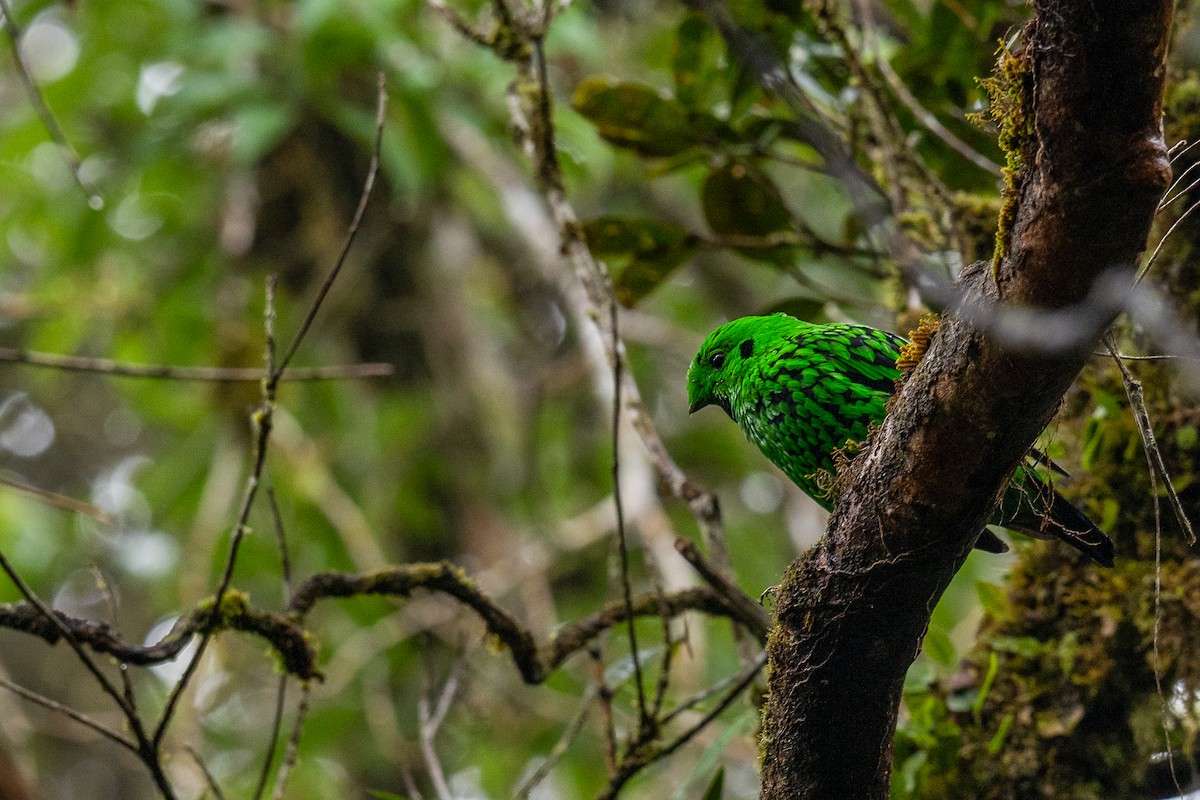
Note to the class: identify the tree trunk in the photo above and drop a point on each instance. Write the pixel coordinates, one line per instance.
(1091, 167)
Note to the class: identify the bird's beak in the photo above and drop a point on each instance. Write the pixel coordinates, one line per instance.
(697, 405)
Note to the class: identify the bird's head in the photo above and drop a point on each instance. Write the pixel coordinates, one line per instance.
(718, 368)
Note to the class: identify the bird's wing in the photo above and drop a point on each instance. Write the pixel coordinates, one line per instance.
(866, 356)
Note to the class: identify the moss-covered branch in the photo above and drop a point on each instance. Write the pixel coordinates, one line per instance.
(296, 647)
(852, 614)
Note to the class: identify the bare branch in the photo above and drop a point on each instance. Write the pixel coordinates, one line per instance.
(750, 613)
(430, 721)
(67, 711)
(1154, 459)
(285, 563)
(351, 233)
(49, 121)
(556, 753)
(208, 776)
(58, 500)
(293, 748)
(626, 591)
(118, 369)
(276, 725)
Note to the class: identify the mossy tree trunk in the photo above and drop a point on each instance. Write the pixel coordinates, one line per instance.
(1091, 167)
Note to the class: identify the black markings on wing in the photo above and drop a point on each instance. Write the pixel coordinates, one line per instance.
(869, 358)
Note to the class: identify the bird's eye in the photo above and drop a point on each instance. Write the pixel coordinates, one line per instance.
(716, 360)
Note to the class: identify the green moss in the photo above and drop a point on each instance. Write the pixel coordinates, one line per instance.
(976, 217)
(1181, 108)
(1009, 90)
(1058, 697)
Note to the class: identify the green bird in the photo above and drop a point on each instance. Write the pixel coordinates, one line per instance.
(800, 391)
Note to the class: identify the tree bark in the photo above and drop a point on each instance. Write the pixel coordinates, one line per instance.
(851, 613)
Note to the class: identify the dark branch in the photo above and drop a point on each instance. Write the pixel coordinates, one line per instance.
(852, 614)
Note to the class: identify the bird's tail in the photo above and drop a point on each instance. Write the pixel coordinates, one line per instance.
(1032, 507)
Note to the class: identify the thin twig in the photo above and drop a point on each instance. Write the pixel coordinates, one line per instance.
(49, 122)
(1158, 357)
(59, 500)
(449, 690)
(119, 369)
(644, 718)
(293, 748)
(1157, 248)
(668, 655)
(700, 697)
(410, 785)
(263, 416)
(743, 680)
(263, 421)
(604, 694)
(208, 776)
(144, 748)
(644, 752)
(276, 725)
(351, 232)
(1137, 404)
(285, 562)
(111, 602)
(78, 716)
(923, 115)
(69, 636)
(429, 722)
(556, 753)
(750, 613)
(1158, 682)
(1156, 470)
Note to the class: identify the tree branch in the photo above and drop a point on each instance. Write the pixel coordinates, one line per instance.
(852, 613)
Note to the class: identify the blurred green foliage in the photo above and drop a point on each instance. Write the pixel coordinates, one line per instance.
(228, 142)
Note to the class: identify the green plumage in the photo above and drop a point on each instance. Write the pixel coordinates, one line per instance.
(801, 391)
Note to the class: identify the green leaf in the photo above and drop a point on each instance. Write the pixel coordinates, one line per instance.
(910, 770)
(997, 741)
(919, 678)
(716, 787)
(609, 236)
(695, 60)
(992, 598)
(1187, 437)
(638, 118)
(379, 794)
(1024, 646)
(739, 200)
(258, 128)
(939, 648)
(652, 251)
(988, 680)
(746, 210)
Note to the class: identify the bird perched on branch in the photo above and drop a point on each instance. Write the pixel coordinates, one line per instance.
(802, 392)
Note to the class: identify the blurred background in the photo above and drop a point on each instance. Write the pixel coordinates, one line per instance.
(223, 142)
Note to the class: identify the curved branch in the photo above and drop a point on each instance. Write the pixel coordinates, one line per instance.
(534, 662)
(296, 652)
(297, 649)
